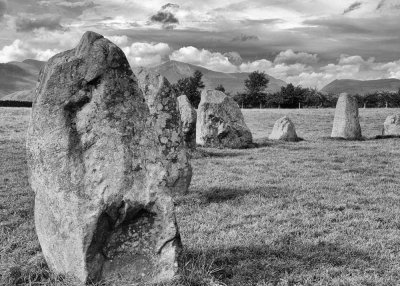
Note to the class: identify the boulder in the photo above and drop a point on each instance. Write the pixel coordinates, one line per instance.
(166, 121)
(220, 123)
(284, 130)
(188, 118)
(391, 127)
(346, 123)
(102, 208)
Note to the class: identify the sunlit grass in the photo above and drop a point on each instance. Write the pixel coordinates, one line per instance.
(316, 212)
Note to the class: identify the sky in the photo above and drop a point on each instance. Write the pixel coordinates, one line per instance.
(304, 42)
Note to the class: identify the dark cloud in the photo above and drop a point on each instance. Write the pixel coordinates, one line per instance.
(381, 4)
(336, 35)
(245, 38)
(166, 18)
(250, 22)
(352, 7)
(80, 5)
(339, 25)
(47, 22)
(3, 8)
(170, 5)
(66, 8)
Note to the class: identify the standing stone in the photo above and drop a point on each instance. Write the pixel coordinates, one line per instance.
(346, 124)
(189, 118)
(166, 120)
(220, 123)
(392, 125)
(284, 130)
(102, 207)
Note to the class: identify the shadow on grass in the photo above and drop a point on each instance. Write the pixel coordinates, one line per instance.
(380, 137)
(218, 153)
(266, 142)
(219, 195)
(250, 265)
(327, 138)
(223, 194)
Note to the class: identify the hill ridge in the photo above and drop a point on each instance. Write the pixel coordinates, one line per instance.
(362, 87)
(233, 82)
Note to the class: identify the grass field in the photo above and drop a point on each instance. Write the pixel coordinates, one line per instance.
(316, 212)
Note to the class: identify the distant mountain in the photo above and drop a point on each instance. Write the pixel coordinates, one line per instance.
(18, 76)
(361, 87)
(233, 82)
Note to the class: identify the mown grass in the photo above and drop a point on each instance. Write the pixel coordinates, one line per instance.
(316, 212)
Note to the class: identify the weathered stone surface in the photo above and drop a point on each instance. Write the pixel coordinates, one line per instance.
(166, 121)
(220, 123)
(284, 130)
(188, 118)
(346, 123)
(392, 125)
(103, 209)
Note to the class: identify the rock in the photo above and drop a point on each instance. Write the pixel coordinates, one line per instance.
(166, 120)
(220, 123)
(346, 123)
(188, 118)
(103, 209)
(284, 130)
(391, 127)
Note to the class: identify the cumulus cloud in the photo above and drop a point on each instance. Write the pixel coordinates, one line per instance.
(234, 58)
(119, 40)
(26, 23)
(299, 68)
(147, 54)
(213, 61)
(291, 57)
(258, 65)
(352, 7)
(20, 50)
(245, 38)
(347, 67)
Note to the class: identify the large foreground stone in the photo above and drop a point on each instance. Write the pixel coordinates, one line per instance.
(346, 123)
(220, 123)
(284, 130)
(103, 209)
(166, 121)
(188, 118)
(391, 127)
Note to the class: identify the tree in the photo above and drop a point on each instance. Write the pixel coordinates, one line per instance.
(255, 87)
(220, 87)
(256, 83)
(190, 86)
(293, 96)
(239, 98)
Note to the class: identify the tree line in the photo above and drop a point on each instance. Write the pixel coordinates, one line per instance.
(255, 94)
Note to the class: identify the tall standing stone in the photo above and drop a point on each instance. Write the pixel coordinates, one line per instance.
(346, 123)
(284, 130)
(166, 120)
(220, 123)
(188, 118)
(102, 207)
(391, 127)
